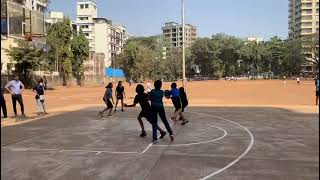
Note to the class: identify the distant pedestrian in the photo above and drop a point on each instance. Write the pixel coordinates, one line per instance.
(107, 98)
(15, 87)
(284, 80)
(317, 90)
(3, 104)
(39, 89)
(298, 80)
(119, 95)
(130, 82)
(149, 88)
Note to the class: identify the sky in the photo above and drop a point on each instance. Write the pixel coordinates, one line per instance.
(240, 18)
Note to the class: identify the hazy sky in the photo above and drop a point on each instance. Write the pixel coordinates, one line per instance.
(242, 18)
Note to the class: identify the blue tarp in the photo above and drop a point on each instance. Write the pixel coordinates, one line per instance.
(110, 72)
(3, 26)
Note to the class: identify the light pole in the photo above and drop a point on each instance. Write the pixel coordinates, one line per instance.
(183, 46)
(114, 68)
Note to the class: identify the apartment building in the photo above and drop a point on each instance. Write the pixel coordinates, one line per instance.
(172, 32)
(86, 12)
(117, 38)
(303, 22)
(303, 18)
(54, 17)
(37, 5)
(104, 37)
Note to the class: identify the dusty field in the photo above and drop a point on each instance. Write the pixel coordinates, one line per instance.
(205, 93)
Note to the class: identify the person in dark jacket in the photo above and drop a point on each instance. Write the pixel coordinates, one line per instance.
(3, 104)
(40, 98)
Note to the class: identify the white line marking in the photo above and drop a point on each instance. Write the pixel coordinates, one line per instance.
(238, 158)
(146, 149)
(197, 143)
(98, 153)
(69, 150)
(20, 149)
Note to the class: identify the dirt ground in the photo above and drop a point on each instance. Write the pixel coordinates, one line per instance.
(271, 93)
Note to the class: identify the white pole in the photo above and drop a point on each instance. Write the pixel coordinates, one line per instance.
(183, 46)
(114, 68)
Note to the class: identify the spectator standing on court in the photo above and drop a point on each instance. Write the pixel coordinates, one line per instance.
(40, 98)
(119, 95)
(16, 87)
(3, 104)
(317, 90)
(148, 87)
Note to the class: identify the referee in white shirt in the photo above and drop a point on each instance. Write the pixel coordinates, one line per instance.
(15, 87)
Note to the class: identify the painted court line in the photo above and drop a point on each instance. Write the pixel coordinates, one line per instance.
(146, 149)
(197, 143)
(238, 158)
(69, 150)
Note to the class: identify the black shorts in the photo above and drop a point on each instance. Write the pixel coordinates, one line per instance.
(109, 104)
(147, 115)
(119, 96)
(176, 102)
(317, 93)
(183, 107)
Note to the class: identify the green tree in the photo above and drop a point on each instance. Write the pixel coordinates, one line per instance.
(293, 57)
(59, 38)
(80, 51)
(228, 48)
(311, 48)
(204, 54)
(25, 56)
(253, 53)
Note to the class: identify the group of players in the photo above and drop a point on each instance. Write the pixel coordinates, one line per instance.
(151, 111)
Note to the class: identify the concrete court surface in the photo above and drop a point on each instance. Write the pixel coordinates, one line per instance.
(227, 143)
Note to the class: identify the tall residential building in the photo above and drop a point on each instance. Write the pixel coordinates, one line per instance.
(105, 39)
(86, 12)
(173, 33)
(117, 38)
(54, 17)
(303, 22)
(37, 5)
(303, 18)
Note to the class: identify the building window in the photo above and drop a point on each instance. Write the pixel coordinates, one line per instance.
(86, 6)
(86, 34)
(84, 27)
(83, 18)
(81, 6)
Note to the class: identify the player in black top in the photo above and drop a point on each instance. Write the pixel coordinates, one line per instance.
(146, 112)
(119, 95)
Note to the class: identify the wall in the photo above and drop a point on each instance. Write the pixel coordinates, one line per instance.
(5, 44)
(102, 41)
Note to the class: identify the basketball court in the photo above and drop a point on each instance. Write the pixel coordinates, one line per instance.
(246, 143)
